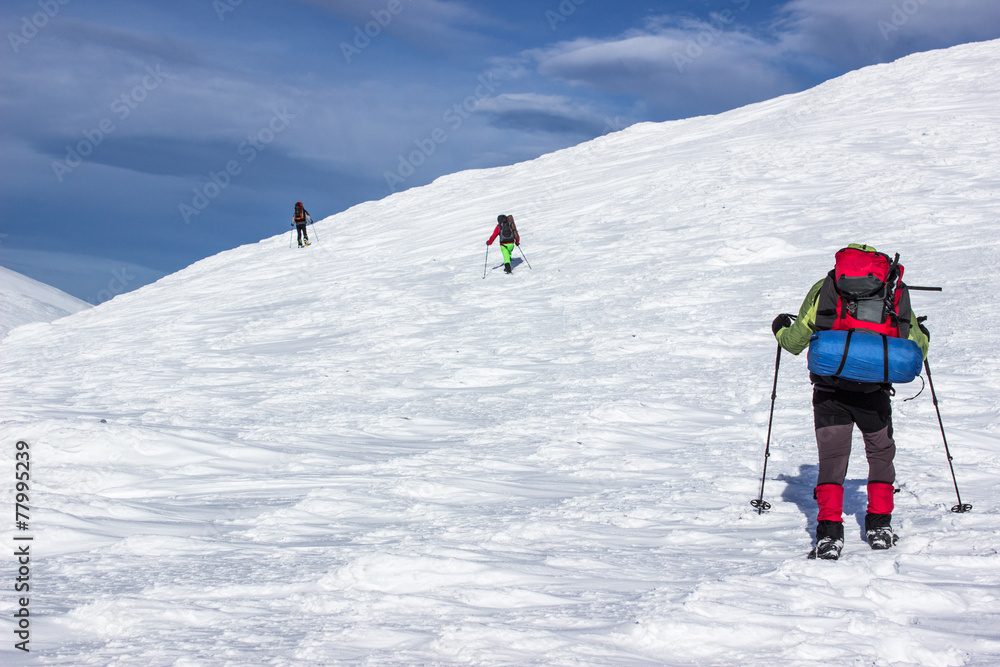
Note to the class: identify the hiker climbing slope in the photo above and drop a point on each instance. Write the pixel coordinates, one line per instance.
(863, 299)
(299, 221)
(506, 231)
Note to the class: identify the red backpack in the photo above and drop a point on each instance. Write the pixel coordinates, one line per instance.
(865, 290)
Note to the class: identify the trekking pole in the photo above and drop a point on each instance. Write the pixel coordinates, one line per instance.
(522, 255)
(486, 262)
(961, 507)
(759, 503)
(291, 235)
(313, 225)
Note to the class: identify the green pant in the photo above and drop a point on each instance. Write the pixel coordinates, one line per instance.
(506, 249)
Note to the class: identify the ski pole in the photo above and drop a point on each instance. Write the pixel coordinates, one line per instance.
(961, 507)
(291, 235)
(759, 503)
(522, 255)
(313, 225)
(487, 261)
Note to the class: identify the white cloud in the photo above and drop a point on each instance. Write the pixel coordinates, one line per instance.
(556, 114)
(430, 23)
(681, 66)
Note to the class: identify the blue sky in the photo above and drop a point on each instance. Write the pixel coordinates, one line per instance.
(137, 138)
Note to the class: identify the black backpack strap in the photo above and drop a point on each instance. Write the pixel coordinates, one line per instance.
(826, 303)
(847, 346)
(885, 356)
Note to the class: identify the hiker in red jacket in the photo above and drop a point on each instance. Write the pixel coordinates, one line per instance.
(509, 238)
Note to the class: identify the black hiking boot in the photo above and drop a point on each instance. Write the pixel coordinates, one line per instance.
(881, 538)
(829, 548)
(507, 269)
(829, 540)
(878, 531)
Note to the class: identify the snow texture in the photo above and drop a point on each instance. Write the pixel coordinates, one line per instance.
(363, 452)
(23, 301)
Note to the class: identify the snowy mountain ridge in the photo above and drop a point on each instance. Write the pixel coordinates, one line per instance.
(364, 451)
(23, 301)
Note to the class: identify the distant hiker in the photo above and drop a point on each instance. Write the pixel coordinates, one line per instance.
(509, 238)
(864, 294)
(301, 219)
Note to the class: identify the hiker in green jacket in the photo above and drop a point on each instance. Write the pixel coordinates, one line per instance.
(840, 404)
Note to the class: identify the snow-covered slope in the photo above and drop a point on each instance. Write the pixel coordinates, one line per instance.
(364, 452)
(23, 301)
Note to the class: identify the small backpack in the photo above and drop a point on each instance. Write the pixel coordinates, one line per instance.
(506, 230)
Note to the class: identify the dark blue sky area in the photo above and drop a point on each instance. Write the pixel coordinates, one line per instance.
(138, 138)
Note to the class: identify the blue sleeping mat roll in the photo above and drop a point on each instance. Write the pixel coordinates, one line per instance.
(861, 356)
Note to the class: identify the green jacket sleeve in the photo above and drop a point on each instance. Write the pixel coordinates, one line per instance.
(796, 337)
(917, 336)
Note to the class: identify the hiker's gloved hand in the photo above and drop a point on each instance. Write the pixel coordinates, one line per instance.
(517, 243)
(926, 332)
(780, 322)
